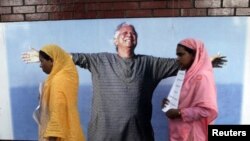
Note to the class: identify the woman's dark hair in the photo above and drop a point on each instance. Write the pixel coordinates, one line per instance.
(45, 56)
(189, 50)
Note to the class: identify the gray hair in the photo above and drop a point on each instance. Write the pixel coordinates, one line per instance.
(117, 31)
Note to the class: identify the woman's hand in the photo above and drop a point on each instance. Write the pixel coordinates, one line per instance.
(164, 103)
(52, 138)
(173, 113)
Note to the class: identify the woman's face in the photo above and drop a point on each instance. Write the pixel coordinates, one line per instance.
(184, 58)
(46, 65)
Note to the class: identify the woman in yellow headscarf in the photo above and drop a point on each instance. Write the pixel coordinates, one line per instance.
(59, 116)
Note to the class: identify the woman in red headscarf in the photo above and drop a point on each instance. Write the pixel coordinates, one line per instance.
(197, 106)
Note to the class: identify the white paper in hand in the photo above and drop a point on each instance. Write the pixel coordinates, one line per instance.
(174, 93)
(36, 113)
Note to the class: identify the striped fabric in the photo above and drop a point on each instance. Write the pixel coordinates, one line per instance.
(122, 94)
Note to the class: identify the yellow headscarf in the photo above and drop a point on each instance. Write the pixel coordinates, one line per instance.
(61, 59)
(59, 108)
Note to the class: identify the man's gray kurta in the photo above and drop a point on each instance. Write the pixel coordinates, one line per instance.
(122, 94)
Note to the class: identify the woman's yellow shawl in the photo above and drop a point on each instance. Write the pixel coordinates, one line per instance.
(59, 105)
